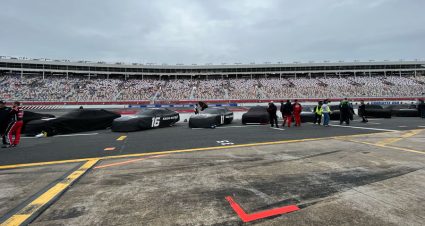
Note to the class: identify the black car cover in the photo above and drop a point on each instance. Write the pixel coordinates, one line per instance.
(377, 111)
(210, 118)
(31, 116)
(146, 119)
(203, 105)
(403, 110)
(79, 120)
(257, 114)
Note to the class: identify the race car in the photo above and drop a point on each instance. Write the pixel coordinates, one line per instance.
(256, 115)
(211, 117)
(146, 119)
(307, 114)
(80, 120)
(377, 111)
(403, 110)
(31, 116)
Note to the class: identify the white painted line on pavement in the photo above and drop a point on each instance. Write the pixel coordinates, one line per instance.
(224, 127)
(402, 126)
(366, 128)
(67, 135)
(277, 128)
(421, 126)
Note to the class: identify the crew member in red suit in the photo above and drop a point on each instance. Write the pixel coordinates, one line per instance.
(13, 131)
(297, 113)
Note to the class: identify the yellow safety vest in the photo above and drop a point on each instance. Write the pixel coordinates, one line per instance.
(318, 110)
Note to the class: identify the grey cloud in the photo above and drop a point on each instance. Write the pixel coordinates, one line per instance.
(191, 31)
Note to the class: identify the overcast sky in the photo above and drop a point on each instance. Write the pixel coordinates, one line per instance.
(213, 31)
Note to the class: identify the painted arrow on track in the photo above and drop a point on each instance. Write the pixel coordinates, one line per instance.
(262, 214)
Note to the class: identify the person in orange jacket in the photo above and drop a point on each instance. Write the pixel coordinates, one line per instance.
(297, 112)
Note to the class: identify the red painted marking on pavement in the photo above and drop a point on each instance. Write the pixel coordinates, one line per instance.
(259, 215)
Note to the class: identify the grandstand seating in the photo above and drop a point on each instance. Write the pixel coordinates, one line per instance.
(79, 88)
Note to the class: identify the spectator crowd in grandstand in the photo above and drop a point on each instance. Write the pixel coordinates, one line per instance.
(76, 88)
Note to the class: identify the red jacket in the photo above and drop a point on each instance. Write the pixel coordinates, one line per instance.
(297, 108)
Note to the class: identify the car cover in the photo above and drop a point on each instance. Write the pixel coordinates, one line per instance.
(31, 116)
(403, 110)
(79, 120)
(257, 114)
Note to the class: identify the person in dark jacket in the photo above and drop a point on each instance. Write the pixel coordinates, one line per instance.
(286, 113)
(196, 109)
(344, 109)
(421, 109)
(4, 119)
(362, 111)
(272, 109)
(352, 113)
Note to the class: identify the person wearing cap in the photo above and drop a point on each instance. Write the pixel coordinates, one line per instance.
(13, 131)
(297, 112)
(272, 109)
(4, 119)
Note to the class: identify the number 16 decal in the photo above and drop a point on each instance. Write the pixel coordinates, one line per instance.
(155, 121)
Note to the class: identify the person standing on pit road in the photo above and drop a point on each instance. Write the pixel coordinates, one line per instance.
(344, 109)
(317, 110)
(352, 113)
(4, 119)
(421, 109)
(286, 113)
(362, 111)
(272, 109)
(326, 111)
(13, 131)
(196, 110)
(297, 108)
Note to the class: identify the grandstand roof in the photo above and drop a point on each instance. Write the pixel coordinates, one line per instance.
(104, 68)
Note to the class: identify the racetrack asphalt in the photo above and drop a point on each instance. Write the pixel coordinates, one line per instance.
(362, 174)
(92, 144)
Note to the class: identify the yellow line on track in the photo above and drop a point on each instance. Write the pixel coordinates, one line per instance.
(179, 151)
(128, 162)
(385, 146)
(33, 208)
(395, 139)
(121, 138)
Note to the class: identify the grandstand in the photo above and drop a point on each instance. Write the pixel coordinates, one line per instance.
(41, 80)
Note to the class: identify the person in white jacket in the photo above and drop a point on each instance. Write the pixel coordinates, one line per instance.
(326, 111)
